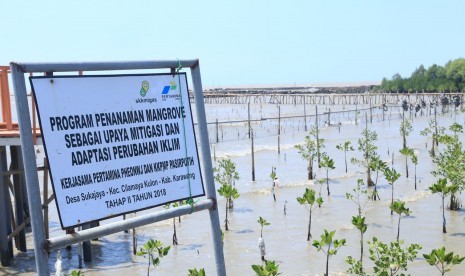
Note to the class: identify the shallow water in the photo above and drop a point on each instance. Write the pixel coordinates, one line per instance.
(286, 236)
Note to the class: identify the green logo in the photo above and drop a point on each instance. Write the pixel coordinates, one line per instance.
(144, 89)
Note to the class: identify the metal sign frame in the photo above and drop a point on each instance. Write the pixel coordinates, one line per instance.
(42, 245)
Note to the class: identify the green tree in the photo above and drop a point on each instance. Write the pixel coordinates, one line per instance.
(399, 208)
(270, 269)
(441, 188)
(154, 250)
(328, 164)
(262, 223)
(226, 174)
(324, 244)
(368, 148)
(391, 176)
(310, 199)
(229, 193)
(345, 147)
(442, 260)
(390, 259)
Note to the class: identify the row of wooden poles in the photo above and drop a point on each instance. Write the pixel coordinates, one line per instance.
(315, 98)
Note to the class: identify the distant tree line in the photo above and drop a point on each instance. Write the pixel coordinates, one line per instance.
(443, 79)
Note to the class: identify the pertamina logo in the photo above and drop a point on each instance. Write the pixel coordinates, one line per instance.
(145, 86)
(168, 90)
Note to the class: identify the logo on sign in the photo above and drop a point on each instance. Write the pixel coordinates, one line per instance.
(143, 92)
(145, 88)
(167, 91)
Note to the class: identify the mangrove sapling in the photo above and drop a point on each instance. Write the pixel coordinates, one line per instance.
(262, 223)
(415, 163)
(310, 199)
(175, 237)
(270, 269)
(359, 220)
(377, 165)
(389, 259)
(229, 193)
(345, 147)
(195, 272)
(154, 250)
(407, 152)
(74, 273)
(391, 176)
(226, 173)
(435, 132)
(405, 129)
(451, 163)
(328, 164)
(308, 152)
(443, 190)
(356, 266)
(319, 142)
(399, 208)
(367, 147)
(442, 260)
(328, 241)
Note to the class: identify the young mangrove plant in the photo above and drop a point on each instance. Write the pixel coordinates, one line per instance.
(377, 165)
(356, 266)
(319, 142)
(390, 259)
(415, 163)
(435, 131)
(308, 151)
(310, 199)
(399, 208)
(359, 220)
(229, 193)
(226, 174)
(442, 260)
(262, 223)
(154, 250)
(328, 164)
(195, 272)
(405, 130)
(451, 163)
(324, 244)
(270, 269)
(74, 273)
(407, 152)
(174, 205)
(367, 147)
(345, 147)
(391, 176)
(441, 188)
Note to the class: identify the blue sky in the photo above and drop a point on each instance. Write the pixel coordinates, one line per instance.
(242, 42)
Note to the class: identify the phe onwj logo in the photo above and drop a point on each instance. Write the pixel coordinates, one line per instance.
(167, 89)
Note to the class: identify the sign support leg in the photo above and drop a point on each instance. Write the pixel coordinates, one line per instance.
(30, 165)
(207, 166)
